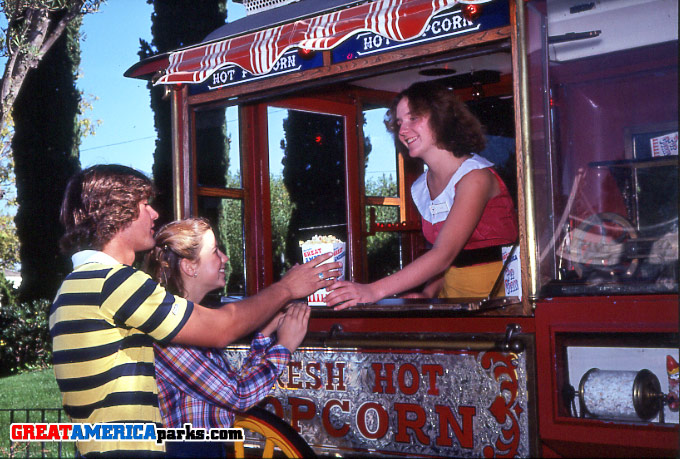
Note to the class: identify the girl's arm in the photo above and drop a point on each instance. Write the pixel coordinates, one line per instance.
(213, 381)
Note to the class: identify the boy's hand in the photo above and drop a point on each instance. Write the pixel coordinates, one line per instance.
(303, 280)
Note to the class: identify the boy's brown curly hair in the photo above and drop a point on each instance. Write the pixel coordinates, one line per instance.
(99, 202)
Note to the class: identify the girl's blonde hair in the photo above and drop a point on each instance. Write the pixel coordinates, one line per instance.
(175, 241)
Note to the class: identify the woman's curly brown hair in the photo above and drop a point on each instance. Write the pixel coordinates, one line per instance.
(175, 241)
(99, 202)
(456, 129)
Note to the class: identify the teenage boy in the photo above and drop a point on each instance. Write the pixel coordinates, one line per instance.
(107, 314)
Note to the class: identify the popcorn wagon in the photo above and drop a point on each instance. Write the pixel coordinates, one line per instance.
(278, 136)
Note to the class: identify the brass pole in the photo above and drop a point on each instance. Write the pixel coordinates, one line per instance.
(176, 126)
(529, 210)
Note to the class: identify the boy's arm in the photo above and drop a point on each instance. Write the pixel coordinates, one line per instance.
(220, 327)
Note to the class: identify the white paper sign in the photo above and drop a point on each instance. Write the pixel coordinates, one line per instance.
(513, 273)
(665, 145)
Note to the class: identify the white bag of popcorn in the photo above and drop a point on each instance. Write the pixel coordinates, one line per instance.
(319, 245)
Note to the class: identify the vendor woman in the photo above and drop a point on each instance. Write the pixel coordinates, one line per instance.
(466, 209)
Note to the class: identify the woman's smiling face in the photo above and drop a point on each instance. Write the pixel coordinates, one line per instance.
(414, 130)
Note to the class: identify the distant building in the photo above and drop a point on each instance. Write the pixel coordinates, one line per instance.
(13, 276)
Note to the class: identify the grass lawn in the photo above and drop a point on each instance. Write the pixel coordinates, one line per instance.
(37, 389)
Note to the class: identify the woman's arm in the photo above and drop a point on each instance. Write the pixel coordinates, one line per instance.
(473, 191)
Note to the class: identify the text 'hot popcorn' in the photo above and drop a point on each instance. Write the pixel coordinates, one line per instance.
(319, 245)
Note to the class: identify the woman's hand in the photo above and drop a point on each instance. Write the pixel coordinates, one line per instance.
(350, 294)
(293, 327)
(433, 288)
(414, 295)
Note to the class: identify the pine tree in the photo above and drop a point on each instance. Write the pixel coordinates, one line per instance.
(175, 23)
(45, 147)
(314, 175)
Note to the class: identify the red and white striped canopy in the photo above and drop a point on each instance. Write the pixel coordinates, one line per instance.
(257, 52)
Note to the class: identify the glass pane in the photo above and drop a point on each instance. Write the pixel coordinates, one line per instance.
(226, 218)
(381, 157)
(497, 115)
(218, 155)
(611, 154)
(383, 250)
(307, 181)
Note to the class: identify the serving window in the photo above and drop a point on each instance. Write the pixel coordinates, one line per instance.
(220, 189)
(307, 185)
(384, 191)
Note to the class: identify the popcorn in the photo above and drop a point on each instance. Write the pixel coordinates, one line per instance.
(316, 239)
(319, 245)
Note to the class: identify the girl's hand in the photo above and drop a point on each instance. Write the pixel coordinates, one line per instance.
(293, 327)
(273, 324)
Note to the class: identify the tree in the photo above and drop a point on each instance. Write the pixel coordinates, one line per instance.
(382, 249)
(314, 175)
(281, 210)
(45, 148)
(9, 242)
(174, 24)
(32, 29)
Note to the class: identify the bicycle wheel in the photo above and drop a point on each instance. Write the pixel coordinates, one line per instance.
(276, 433)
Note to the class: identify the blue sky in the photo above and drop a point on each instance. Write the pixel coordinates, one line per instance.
(109, 47)
(126, 134)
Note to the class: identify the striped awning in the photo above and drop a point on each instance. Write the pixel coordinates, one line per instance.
(257, 52)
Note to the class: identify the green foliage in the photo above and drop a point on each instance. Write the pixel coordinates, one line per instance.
(9, 243)
(24, 336)
(45, 148)
(7, 182)
(8, 294)
(231, 238)
(32, 29)
(281, 210)
(382, 249)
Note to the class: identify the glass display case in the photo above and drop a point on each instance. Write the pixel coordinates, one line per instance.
(604, 114)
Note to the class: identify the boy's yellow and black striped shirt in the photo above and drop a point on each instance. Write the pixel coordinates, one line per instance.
(103, 323)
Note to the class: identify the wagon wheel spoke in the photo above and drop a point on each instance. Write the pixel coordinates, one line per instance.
(275, 432)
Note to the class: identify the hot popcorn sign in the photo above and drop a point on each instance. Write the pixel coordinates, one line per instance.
(441, 403)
